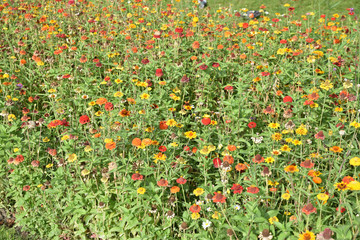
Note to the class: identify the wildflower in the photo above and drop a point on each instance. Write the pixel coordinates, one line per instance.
(307, 236)
(322, 197)
(301, 130)
(258, 159)
(195, 216)
(286, 196)
(274, 125)
(273, 219)
(285, 148)
(162, 183)
(216, 215)
(72, 157)
(253, 189)
(355, 161)
(218, 197)
(190, 134)
(269, 160)
(336, 149)
(206, 224)
(181, 180)
(144, 96)
(237, 188)
(308, 209)
(341, 186)
(307, 164)
(320, 135)
(276, 136)
(26, 188)
(252, 125)
(84, 119)
(174, 189)
(265, 235)
(354, 186)
(291, 169)
(287, 99)
(325, 235)
(198, 191)
(237, 207)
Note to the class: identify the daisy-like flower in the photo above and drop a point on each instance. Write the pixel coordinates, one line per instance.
(198, 191)
(307, 236)
(291, 169)
(273, 219)
(206, 224)
(276, 152)
(322, 197)
(276, 136)
(286, 196)
(190, 134)
(274, 125)
(265, 235)
(341, 186)
(355, 161)
(237, 207)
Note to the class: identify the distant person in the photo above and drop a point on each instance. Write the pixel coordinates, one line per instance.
(202, 3)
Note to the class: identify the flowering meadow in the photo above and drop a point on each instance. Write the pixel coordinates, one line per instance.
(153, 119)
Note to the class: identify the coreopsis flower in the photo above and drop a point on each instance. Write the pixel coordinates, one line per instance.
(341, 186)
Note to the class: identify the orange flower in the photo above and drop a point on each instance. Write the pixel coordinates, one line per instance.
(228, 159)
(336, 149)
(174, 189)
(22, 61)
(83, 59)
(317, 180)
(101, 101)
(110, 145)
(163, 125)
(220, 46)
(136, 142)
(231, 148)
(240, 167)
(124, 113)
(291, 169)
(195, 45)
(146, 141)
(193, 58)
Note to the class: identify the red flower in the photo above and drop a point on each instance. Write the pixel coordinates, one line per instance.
(84, 119)
(258, 159)
(195, 208)
(206, 121)
(162, 183)
(217, 162)
(308, 209)
(163, 125)
(320, 135)
(181, 180)
(187, 148)
(26, 188)
(253, 189)
(218, 197)
(52, 152)
(251, 125)
(137, 176)
(342, 209)
(159, 72)
(228, 88)
(275, 19)
(283, 41)
(179, 30)
(203, 67)
(287, 99)
(347, 179)
(215, 65)
(237, 188)
(162, 149)
(109, 106)
(307, 164)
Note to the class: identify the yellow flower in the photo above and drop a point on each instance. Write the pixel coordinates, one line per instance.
(327, 85)
(216, 215)
(190, 134)
(171, 123)
(88, 148)
(285, 148)
(355, 161)
(85, 172)
(11, 117)
(274, 125)
(49, 165)
(205, 150)
(174, 144)
(296, 142)
(276, 136)
(92, 103)
(141, 190)
(301, 130)
(354, 186)
(307, 236)
(72, 157)
(118, 94)
(198, 191)
(46, 139)
(286, 196)
(291, 169)
(65, 137)
(16, 150)
(195, 215)
(269, 160)
(144, 96)
(323, 197)
(99, 113)
(355, 124)
(273, 219)
(341, 186)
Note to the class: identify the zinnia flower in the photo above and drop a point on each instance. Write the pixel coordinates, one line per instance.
(308, 209)
(253, 189)
(218, 197)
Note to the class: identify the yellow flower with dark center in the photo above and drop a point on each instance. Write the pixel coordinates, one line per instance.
(285, 148)
(171, 123)
(341, 186)
(291, 169)
(274, 125)
(276, 136)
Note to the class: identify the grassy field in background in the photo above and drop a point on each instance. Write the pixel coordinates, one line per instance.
(277, 6)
